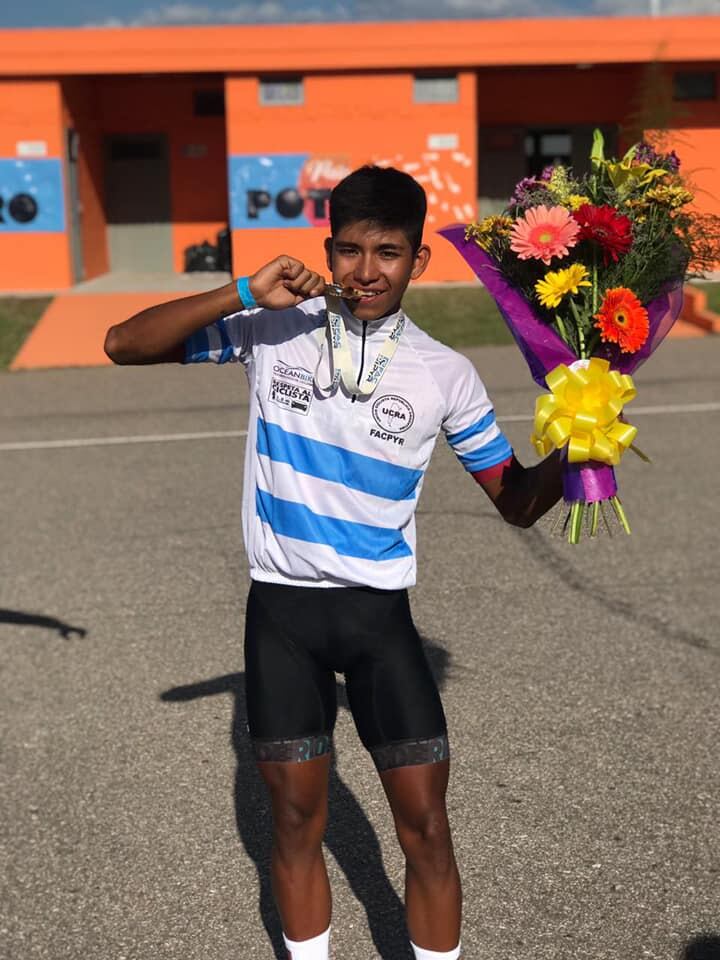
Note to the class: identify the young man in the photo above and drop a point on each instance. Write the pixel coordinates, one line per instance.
(342, 426)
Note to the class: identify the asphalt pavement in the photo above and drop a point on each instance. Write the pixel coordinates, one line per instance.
(581, 687)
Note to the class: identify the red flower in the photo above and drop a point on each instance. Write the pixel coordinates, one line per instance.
(605, 226)
(622, 319)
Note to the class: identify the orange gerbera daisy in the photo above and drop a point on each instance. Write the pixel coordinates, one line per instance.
(543, 233)
(622, 319)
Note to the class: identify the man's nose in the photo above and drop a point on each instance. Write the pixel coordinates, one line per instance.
(365, 269)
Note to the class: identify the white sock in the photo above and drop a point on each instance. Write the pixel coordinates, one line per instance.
(421, 954)
(318, 948)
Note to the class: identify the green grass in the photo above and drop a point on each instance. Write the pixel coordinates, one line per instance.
(457, 316)
(18, 315)
(713, 295)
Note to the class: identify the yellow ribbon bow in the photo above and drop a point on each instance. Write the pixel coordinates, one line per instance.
(582, 411)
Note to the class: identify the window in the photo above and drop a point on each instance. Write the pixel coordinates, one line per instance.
(435, 89)
(546, 147)
(287, 92)
(209, 103)
(695, 85)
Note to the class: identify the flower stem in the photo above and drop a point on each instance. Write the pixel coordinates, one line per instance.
(593, 342)
(561, 328)
(579, 325)
(595, 282)
(576, 519)
(620, 514)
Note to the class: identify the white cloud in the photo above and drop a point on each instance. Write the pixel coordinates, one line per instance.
(319, 11)
(634, 8)
(265, 11)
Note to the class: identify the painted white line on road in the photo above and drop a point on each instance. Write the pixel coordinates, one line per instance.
(636, 411)
(238, 434)
(118, 441)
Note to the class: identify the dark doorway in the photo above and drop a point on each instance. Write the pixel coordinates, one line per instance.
(137, 190)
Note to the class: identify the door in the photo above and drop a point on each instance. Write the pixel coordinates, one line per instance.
(137, 191)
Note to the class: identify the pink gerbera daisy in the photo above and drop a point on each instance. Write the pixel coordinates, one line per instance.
(543, 233)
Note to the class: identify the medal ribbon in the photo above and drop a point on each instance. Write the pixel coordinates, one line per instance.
(342, 364)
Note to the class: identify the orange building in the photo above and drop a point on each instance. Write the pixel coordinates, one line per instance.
(122, 148)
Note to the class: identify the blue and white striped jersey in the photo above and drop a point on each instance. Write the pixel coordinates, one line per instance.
(331, 484)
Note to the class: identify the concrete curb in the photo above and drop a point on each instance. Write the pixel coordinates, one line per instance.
(695, 310)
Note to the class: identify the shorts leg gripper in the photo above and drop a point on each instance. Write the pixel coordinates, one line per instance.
(293, 751)
(409, 753)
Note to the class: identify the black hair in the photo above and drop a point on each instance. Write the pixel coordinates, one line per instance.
(382, 195)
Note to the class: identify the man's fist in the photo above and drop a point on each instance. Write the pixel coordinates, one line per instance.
(285, 282)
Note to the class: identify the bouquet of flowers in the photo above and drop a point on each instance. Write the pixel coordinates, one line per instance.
(588, 274)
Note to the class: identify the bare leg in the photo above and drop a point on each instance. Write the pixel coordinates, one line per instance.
(433, 896)
(298, 792)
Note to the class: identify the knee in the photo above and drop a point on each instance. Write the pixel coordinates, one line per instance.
(297, 823)
(425, 839)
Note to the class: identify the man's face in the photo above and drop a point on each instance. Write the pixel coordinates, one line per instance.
(379, 262)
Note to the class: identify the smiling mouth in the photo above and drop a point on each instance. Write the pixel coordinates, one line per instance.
(367, 294)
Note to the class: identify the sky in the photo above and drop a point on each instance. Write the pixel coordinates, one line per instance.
(108, 13)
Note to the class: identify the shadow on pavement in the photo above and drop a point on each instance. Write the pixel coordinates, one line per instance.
(40, 620)
(350, 836)
(540, 545)
(704, 947)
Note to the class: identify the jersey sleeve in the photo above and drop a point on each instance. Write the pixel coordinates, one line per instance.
(229, 340)
(469, 425)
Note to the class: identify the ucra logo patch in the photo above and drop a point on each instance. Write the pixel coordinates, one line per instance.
(393, 413)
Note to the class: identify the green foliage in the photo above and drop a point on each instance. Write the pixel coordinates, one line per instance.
(18, 315)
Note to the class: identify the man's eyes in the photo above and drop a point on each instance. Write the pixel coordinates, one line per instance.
(351, 251)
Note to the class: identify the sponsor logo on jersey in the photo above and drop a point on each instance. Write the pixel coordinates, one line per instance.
(291, 387)
(387, 437)
(393, 414)
(292, 373)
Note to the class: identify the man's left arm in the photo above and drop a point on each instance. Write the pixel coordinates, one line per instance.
(523, 494)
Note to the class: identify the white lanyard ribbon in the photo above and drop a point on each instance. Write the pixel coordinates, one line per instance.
(342, 365)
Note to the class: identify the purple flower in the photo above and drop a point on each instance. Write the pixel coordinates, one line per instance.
(546, 175)
(672, 161)
(646, 153)
(527, 183)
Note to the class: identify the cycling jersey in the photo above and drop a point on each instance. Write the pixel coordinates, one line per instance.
(331, 481)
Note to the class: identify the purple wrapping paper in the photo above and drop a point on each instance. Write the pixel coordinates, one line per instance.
(590, 482)
(542, 348)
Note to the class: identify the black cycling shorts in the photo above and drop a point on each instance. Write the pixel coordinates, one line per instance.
(297, 638)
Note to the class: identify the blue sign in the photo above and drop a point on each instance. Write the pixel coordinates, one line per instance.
(31, 196)
(264, 191)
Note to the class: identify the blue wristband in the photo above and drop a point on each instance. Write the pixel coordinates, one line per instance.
(246, 298)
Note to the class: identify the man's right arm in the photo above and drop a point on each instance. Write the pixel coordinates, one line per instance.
(158, 334)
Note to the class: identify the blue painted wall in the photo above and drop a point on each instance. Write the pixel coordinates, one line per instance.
(32, 199)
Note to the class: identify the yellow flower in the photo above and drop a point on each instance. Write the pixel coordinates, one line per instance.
(673, 197)
(576, 200)
(559, 184)
(558, 283)
(489, 229)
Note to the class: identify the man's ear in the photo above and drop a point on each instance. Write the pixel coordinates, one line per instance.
(422, 259)
(328, 253)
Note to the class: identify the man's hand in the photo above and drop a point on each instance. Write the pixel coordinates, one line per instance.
(285, 282)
